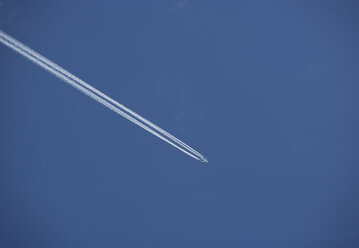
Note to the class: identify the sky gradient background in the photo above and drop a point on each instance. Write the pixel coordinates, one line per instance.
(267, 90)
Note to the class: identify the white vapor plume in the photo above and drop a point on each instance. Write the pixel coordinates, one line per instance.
(98, 95)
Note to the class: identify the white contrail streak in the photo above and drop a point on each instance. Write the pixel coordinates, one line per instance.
(98, 95)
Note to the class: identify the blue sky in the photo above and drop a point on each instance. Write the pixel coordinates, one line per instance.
(267, 90)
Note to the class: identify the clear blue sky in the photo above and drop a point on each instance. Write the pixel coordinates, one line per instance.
(267, 90)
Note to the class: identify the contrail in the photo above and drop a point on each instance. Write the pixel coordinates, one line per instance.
(98, 95)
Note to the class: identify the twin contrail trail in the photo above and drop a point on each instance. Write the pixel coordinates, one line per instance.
(98, 95)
